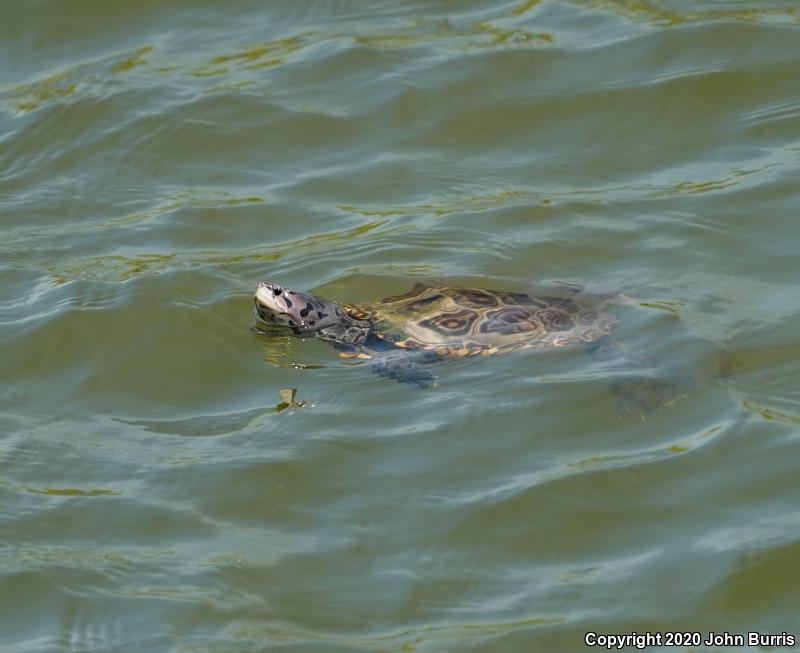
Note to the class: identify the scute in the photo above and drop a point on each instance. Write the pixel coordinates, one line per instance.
(449, 324)
(469, 321)
(511, 320)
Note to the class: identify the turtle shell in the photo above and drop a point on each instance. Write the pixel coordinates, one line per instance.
(471, 321)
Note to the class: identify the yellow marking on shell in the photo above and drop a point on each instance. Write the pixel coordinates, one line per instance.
(359, 312)
(348, 354)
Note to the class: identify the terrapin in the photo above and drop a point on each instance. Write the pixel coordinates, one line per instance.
(402, 334)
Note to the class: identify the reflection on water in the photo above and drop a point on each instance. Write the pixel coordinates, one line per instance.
(173, 482)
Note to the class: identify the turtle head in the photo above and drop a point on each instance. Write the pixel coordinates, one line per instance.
(302, 313)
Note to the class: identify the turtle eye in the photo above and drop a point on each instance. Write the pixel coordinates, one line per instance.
(276, 291)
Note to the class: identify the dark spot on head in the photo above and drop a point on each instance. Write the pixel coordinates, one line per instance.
(306, 310)
(291, 292)
(321, 315)
(291, 322)
(312, 322)
(288, 302)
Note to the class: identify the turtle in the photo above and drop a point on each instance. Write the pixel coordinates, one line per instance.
(403, 334)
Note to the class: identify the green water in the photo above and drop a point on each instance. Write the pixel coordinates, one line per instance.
(158, 159)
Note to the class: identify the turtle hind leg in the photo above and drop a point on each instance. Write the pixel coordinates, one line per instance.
(405, 366)
(641, 386)
(642, 396)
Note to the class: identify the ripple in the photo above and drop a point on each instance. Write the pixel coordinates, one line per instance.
(163, 158)
(766, 532)
(663, 14)
(122, 268)
(72, 492)
(206, 425)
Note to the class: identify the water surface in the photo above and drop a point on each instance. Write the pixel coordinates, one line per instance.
(159, 159)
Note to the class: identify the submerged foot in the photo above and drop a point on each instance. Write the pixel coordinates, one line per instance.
(641, 396)
(405, 366)
(640, 384)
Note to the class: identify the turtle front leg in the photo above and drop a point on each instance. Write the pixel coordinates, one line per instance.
(406, 366)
